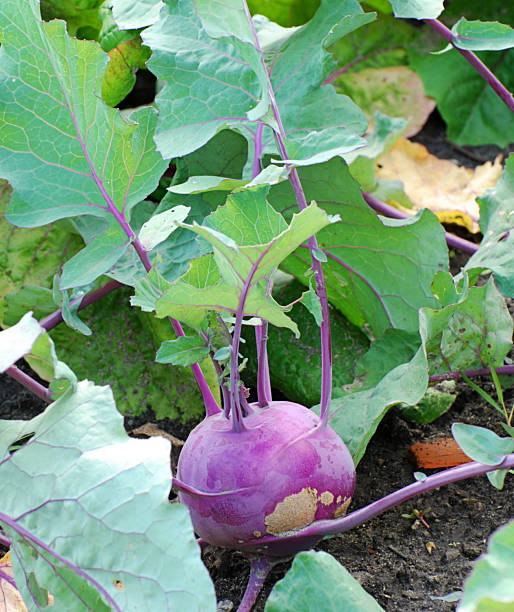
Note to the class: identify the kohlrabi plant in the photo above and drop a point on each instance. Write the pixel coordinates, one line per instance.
(258, 184)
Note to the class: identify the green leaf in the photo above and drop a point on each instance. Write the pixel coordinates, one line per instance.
(473, 112)
(16, 341)
(161, 225)
(481, 444)
(99, 499)
(497, 478)
(490, 585)
(183, 351)
(475, 332)
(496, 251)
(53, 148)
(482, 35)
(312, 302)
(417, 9)
(376, 274)
(358, 414)
(129, 14)
(317, 582)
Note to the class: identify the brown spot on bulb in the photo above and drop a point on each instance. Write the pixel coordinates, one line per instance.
(293, 512)
(341, 511)
(326, 498)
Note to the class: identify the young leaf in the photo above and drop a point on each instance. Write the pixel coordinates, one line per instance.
(16, 341)
(53, 148)
(312, 302)
(482, 35)
(496, 250)
(183, 351)
(490, 585)
(316, 581)
(130, 15)
(99, 499)
(481, 444)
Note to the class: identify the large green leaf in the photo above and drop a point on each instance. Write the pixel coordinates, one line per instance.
(62, 149)
(130, 14)
(491, 583)
(378, 272)
(473, 112)
(496, 250)
(233, 87)
(99, 499)
(317, 582)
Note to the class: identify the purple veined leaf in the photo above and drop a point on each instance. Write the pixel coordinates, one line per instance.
(63, 150)
(417, 9)
(96, 501)
(234, 91)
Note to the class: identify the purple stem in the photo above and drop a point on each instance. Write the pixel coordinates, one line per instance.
(264, 396)
(27, 535)
(9, 579)
(508, 369)
(259, 569)
(362, 515)
(326, 343)
(389, 211)
(29, 383)
(52, 320)
(477, 64)
(235, 402)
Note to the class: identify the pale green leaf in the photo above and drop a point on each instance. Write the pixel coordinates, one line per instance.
(417, 9)
(99, 499)
(64, 151)
(183, 351)
(496, 251)
(481, 444)
(129, 14)
(161, 225)
(482, 35)
(490, 585)
(317, 582)
(16, 341)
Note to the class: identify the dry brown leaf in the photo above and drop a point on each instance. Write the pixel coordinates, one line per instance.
(151, 430)
(10, 598)
(446, 189)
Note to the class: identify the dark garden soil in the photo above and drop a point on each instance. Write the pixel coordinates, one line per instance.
(399, 561)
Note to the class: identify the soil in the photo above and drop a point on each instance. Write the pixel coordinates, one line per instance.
(399, 561)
